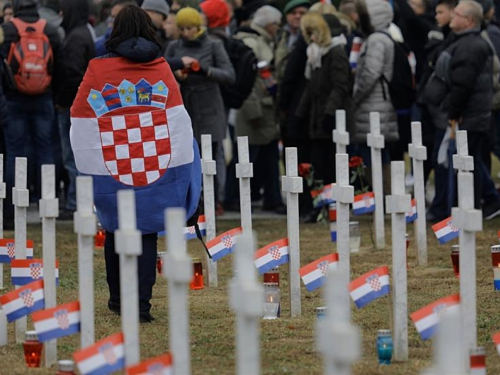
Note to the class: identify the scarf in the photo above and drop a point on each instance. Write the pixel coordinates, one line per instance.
(315, 53)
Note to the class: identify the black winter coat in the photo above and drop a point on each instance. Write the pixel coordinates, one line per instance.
(27, 12)
(291, 90)
(471, 81)
(328, 89)
(78, 49)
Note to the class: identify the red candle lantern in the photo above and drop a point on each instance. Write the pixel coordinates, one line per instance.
(478, 360)
(159, 262)
(455, 260)
(32, 349)
(495, 256)
(407, 248)
(99, 238)
(197, 281)
(273, 276)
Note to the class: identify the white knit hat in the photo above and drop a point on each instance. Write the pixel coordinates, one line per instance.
(266, 15)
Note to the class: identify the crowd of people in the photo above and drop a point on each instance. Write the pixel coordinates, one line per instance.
(276, 72)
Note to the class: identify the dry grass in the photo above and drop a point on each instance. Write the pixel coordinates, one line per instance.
(287, 345)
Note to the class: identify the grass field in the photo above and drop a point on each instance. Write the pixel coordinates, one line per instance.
(287, 345)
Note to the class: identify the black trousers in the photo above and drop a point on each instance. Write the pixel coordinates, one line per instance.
(146, 267)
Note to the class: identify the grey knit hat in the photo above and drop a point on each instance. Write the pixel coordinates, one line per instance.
(158, 6)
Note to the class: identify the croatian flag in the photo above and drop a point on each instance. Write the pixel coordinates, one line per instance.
(322, 197)
(370, 286)
(412, 215)
(427, 318)
(445, 231)
(59, 321)
(496, 340)
(130, 130)
(314, 274)
(104, 357)
(363, 204)
(223, 245)
(190, 232)
(161, 365)
(23, 301)
(332, 213)
(25, 271)
(273, 255)
(8, 250)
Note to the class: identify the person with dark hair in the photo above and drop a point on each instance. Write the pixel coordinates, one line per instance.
(7, 13)
(130, 130)
(78, 50)
(104, 12)
(29, 102)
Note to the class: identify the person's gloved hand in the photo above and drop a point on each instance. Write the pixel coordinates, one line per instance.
(328, 123)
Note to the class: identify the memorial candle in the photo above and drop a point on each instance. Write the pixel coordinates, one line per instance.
(32, 349)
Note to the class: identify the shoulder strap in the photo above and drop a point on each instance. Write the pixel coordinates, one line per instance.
(22, 26)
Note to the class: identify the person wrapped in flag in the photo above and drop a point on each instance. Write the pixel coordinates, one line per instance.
(130, 130)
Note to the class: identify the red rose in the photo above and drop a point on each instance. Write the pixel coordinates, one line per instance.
(305, 170)
(355, 162)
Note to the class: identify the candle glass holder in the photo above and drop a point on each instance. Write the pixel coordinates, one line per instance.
(455, 260)
(197, 281)
(273, 276)
(65, 367)
(384, 346)
(100, 238)
(159, 261)
(495, 256)
(272, 298)
(321, 312)
(478, 359)
(32, 349)
(354, 237)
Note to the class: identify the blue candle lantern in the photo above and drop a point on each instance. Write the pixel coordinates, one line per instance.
(321, 312)
(384, 346)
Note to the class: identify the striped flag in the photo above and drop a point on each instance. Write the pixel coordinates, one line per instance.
(427, 318)
(370, 286)
(363, 203)
(104, 357)
(23, 301)
(161, 365)
(8, 250)
(496, 340)
(25, 271)
(190, 232)
(59, 321)
(223, 245)
(412, 215)
(322, 197)
(314, 274)
(445, 231)
(273, 255)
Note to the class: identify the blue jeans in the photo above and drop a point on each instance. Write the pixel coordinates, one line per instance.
(68, 158)
(33, 116)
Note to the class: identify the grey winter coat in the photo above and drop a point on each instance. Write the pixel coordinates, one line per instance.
(200, 92)
(376, 59)
(256, 117)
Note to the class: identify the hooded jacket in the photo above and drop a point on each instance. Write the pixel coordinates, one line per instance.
(376, 59)
(26, 10)
(78, 49)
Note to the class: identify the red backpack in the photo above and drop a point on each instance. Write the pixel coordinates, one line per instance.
(31, 58)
